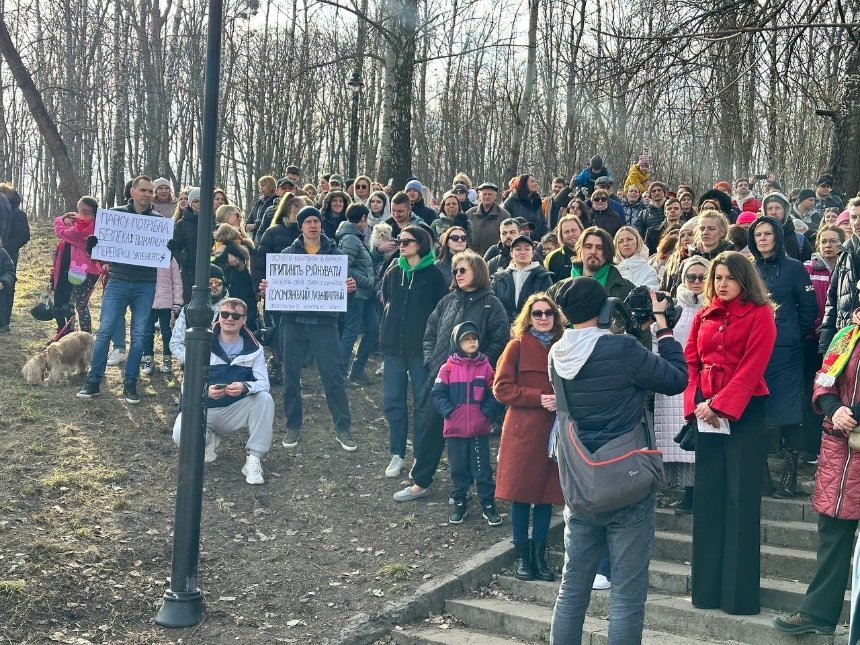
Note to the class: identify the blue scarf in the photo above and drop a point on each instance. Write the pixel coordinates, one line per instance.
(545, 337)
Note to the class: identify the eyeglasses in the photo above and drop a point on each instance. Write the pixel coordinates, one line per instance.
(361, 186)
(599, 200)
(231, 314)
(404, 241)
(828, 242)
(215, 282)
(457, 238)
(543, 313)
(690, 277)
(460, 270)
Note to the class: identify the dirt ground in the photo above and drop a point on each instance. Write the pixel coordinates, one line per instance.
(87, 507)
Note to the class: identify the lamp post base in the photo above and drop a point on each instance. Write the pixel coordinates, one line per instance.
(180, 609)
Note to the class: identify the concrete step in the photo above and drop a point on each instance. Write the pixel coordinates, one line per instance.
(798, 509)
(436, 635)
(532, 623)
(776, 562)
(793, 534)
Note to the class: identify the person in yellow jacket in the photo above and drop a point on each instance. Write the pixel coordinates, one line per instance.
(639, 173)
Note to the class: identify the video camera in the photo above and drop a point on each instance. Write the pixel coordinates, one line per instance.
(630, 314)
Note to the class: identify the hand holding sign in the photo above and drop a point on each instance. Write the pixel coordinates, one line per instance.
(129, 238)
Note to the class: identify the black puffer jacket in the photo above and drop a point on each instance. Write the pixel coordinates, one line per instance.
(559, 263)
(797, 246)
(842, 296)
(479, 306)
(408, 302)
(650, 217)
(529, 208)
(18, 232)
(538, 279)
(274, 240)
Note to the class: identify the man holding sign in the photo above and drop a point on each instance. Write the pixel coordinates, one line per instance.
(133, 253)
(309, 292)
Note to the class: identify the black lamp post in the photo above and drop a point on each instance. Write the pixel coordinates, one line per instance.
(355, 84)
(182, 605)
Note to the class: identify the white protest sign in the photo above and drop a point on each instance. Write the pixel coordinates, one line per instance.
(129, 238)
(306, 282)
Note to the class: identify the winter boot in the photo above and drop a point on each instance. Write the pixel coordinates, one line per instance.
(685, 506)
(766, 481)
(524, 562)
(540, 566)
(785, 490)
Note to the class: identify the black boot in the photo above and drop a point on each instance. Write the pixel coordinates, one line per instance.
(540, 566)
(524, 562)
(766, 481)
(685, 506)
(785, 490)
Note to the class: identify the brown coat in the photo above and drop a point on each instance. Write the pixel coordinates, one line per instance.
(525, 473)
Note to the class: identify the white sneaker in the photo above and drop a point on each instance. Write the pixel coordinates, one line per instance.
(210, 455)
(253, 470)
(600, 582)
(395, 466)
(166, 365)
(146, 365)
(116, 357)
(380, 369)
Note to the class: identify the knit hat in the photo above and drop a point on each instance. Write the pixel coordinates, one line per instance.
(844, 216)
(582, 299)
(460, 188)
(336, 179)
(193, 193)
(723, 186)
(747, 217)
(825, 179)
(414, 185)
(307, 211)
(216, 272)
(161, 181)
(690, 224)
(644, 160)
(596, 163)
(805, 194)
(461, 330)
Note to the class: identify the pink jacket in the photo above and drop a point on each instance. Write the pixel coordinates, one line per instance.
(463, 395)
(168, 287)
(74, 234)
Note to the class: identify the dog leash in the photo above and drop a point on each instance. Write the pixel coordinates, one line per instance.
(102, 278)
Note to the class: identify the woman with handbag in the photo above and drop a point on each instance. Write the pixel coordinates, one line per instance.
(525, 474)
(728, 350)
(679, 464)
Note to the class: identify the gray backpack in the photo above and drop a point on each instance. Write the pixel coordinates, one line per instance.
(620, 473)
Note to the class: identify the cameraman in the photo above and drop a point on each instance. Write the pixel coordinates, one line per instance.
(605, 377)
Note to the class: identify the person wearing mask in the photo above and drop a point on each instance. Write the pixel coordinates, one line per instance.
(470, 300)
(411, 289)
(525, 202)
(631, 264)
(743, 198)
(672, 218)
(559, 262)
(727, 352)
(525, 474)
(828, 242)
(521, 278)
(792, 292)
(632, 205)
(450, 215)
(602, 215)
(842, 295)
(653, 214)
(797, 246)
(600, 379)
(485, 218)
(415, 191)
(451, 242)
(499, 256)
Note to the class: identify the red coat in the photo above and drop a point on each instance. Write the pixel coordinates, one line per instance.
(727, 353)
(837, 478)
(525, 473)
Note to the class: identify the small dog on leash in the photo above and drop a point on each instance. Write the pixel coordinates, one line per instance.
(72, 354)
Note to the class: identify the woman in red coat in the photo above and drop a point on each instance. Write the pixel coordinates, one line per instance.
(728, 349)
(525, 474)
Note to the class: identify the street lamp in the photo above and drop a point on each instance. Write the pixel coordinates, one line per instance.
(182, 604)
(355, 84)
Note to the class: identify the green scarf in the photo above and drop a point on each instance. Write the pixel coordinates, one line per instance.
(601, 276)
(425, 262)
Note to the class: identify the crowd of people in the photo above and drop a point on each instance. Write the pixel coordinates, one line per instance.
(467, 299)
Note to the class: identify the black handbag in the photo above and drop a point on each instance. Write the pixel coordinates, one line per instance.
(686, 437)
(44, 310)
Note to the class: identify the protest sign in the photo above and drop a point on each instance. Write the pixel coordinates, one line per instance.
(129, 238)
(306, 282)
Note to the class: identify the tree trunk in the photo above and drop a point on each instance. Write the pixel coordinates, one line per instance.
(522, 116)
(845, 154)
(70, 184)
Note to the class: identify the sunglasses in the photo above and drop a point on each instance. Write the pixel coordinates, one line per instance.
(689, 277)
(231, 314)
(457, 238)
(599, 200)
(459, 270)
(404, 241)
(459, 192)
(543, 313)
(362, 186)
(215, 282)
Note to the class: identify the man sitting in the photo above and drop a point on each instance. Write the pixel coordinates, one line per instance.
(238, 392)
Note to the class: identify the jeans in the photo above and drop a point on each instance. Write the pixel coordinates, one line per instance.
(541, 516)
(394, 393)
(118, 340)
(361, 319)
(163, 318)
(629, 532)
(118, 295)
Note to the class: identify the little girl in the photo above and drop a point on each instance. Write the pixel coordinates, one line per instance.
(463, 395)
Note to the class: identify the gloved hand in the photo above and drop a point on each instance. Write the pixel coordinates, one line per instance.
(92, 240)
(171, 245)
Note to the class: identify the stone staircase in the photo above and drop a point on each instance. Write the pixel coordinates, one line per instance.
(513, 611)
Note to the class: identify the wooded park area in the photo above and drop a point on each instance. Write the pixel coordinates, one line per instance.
(96, 91)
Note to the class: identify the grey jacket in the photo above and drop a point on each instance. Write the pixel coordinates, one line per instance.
(350, 240)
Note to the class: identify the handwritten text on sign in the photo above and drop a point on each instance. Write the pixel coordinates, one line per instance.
(133, 239)
(306, 282)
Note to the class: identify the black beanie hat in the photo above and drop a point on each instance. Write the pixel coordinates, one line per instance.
(582, 299)
(596, 163)
(216, 272)
(308, 211)
(461, 330)
(805, 194)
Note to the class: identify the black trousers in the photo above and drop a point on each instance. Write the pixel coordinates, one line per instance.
(812, 422)
(428, 452)
(726, 563)
(470, 459)
(826, 592)
(297, 340)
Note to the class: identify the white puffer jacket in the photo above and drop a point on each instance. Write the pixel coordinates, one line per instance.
(639, 272)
